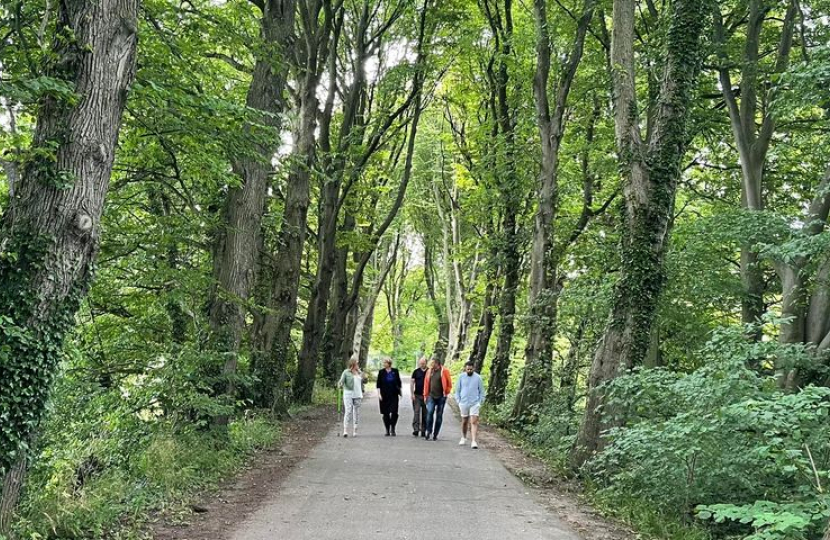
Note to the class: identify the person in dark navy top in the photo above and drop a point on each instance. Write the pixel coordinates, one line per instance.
(389, 392)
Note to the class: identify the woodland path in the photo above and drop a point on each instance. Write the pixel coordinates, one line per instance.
(401, 487)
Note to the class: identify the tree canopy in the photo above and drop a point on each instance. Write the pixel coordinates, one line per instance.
(616, 209)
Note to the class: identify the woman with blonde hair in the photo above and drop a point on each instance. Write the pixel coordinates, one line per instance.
(351, 381)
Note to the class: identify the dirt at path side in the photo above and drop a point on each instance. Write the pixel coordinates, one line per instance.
(560, 496)
(242, 495)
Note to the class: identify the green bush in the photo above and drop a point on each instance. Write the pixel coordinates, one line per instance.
(723, 444)
(110, 454)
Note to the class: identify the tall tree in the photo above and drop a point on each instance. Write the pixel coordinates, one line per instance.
(500, 20)
(357, 141)
(537, 378)
(650, 170)
(50, 232)
(746, 105)
(238, 241)
(320, 24)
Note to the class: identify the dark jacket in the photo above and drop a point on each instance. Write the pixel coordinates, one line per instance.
(389, 388)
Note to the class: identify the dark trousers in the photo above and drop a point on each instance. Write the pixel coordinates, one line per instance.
(390, 419)
(389, 410)
(419, 421)
(435, 413)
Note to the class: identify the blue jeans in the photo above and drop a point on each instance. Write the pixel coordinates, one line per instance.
(435, 409)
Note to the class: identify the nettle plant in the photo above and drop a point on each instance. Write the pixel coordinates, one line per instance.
(723, 444)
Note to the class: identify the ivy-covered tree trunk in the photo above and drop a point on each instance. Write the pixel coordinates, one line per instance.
(314, 324)
(650, 171)
(49, 234)
(537, 379)
(238, 243)
(272, 343)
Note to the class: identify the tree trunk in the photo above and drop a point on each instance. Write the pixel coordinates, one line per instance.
(366, 338)
(236, 255)
(273, 342)
(752, 140)
(570, 368)
(805, 303)
(439, 350)
(500, 368)
(651, 171)
(367, 309)
(315, 318)
(339, 310)
(537, 379)
(485, 326)
(501, 23)
(49, 234)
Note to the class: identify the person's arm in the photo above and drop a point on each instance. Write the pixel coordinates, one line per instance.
(458, 391)
(377, 383)
(342, 380)
(399, 383)
(481, 392)
(412, 384)
(449, 380)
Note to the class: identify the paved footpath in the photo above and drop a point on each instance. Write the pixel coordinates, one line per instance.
(401, 487)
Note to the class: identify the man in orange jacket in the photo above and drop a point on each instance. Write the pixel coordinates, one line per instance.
(437, 386)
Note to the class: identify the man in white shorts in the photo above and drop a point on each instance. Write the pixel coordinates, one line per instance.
(469, 393)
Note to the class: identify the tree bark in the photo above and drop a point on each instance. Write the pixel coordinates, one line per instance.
(752, 141)
(537, 379)
(272, 343)
(500, 367)
(501, 24)
(329, 206)
(805, 303)
(650, 172)
(367, 309)
(485, 326)
(439, 349)
(49, 235)
(237, 253)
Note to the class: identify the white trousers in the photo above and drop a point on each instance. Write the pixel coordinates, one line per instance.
(352, 412)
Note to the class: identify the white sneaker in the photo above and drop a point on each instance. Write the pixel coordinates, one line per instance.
(462, 442)
(474, 445)
(354, 432)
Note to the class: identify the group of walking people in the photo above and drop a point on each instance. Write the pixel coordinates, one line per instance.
(430, 387)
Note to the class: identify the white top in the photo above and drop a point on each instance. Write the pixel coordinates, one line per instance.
(357, 392)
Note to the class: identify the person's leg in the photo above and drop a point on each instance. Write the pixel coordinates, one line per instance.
(417, 404)
(430, 416)
(439, 415)
(465, 422)
(423, 416)
(393, 416)
(356, 408)
(347, 414)
(474, 429)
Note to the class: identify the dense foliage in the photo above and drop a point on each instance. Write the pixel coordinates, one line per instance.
(417, 198)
